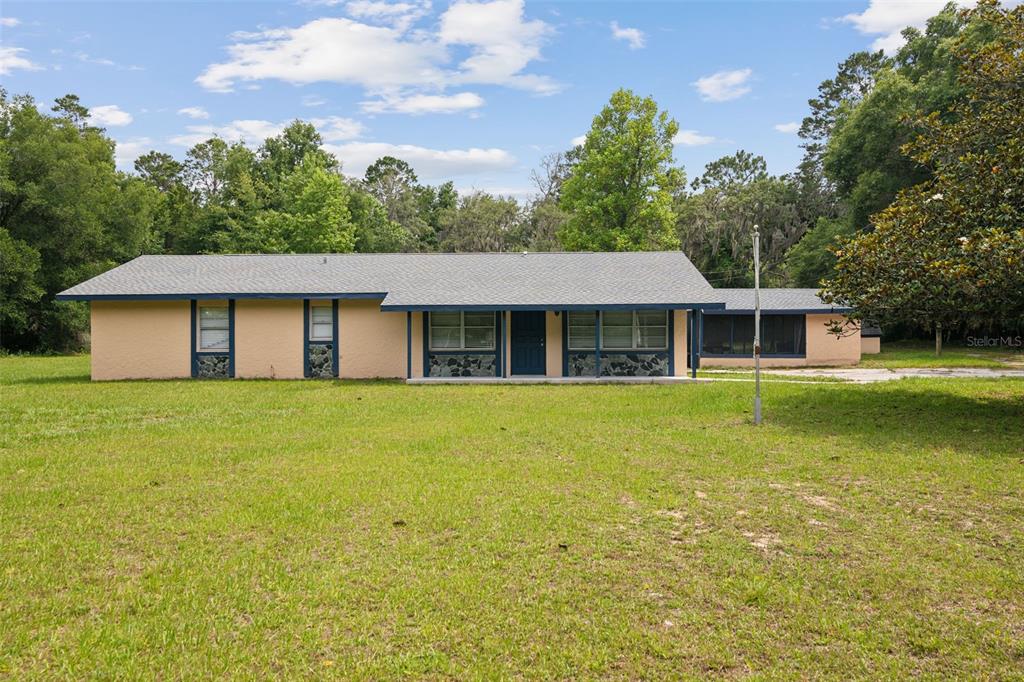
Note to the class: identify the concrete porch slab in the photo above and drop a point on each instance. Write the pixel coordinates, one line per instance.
(556, 380)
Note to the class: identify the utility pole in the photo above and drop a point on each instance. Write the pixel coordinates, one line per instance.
(757, 326)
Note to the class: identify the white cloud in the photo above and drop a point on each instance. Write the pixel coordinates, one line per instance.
(579, 140)
(313, 101)
(126, 151)
(503, 44)
(724, 85)
(691, 138)
(109, 115)
(890, 17)
(400, 15)
(9, 22)
(11, 59)
(425, 104)
(429, 163)
(634, 36)
(254, 131)
(495, 40)
(886, 19)
(329, 49)
(194, 112)
(788, 128)
(87, 58)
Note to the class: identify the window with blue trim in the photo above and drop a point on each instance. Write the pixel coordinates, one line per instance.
(214, 328)
(734, 335)
(321, 323)
(620, 329)
(462, 330)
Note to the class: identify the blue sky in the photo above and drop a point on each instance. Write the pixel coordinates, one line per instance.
(470, 91)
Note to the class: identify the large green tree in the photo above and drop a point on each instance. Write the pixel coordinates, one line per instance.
(64, 199)
(619, 192)
(315, 216)
(859, 122)
(482, 222)
(950, 251)
(716, 220)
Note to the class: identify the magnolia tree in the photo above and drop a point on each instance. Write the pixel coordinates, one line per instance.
(950, 251)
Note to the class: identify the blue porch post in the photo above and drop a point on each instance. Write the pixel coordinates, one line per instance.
(231, 338)
(193, 361)
(597, 343)
(336, 340)
(305, 337)
(671, 343)
(408, 344)
(691, 339)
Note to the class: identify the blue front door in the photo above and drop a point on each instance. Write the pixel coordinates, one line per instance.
(526, 334)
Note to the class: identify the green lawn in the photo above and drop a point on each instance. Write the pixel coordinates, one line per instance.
(304, 529)
(896, 354)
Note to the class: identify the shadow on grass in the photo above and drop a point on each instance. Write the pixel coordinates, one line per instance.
(889, 416)
(51, 380)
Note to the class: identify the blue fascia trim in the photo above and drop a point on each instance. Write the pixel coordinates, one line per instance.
(783, 311)
(336, 370)
(193, 361)
(408, 345)
(556, 307)
(203, 297)
(305, 338)
(231, 338)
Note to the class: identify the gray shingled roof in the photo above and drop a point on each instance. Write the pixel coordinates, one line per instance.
(408, 281)
(802, 300)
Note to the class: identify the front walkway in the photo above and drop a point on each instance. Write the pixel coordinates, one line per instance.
(868, 376)
(556, 380)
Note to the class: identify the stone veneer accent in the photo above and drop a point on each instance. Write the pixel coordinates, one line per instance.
(581, 364)
(634, 364)
(321, 364)
(212, 366)
(462, 365)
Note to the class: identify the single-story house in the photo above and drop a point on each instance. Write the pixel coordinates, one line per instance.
(439, 315)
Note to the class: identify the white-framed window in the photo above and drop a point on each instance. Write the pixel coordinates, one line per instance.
(620, 329)
(650, 329)
(462, 330)
(321, 323)
(581, 329)
(214, 327)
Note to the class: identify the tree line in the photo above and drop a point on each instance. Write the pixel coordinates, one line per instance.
(879, 140)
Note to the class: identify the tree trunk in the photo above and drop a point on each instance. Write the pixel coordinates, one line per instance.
(938, 339)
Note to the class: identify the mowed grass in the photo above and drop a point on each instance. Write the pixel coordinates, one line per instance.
(250, 529)
(896, 354)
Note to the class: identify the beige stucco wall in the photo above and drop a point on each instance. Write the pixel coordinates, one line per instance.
(417, 344)
(372, 343)
(869, 345)
(553, 343)
(679, 339)
(823, 348)
(268, 338)
(141, 339)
